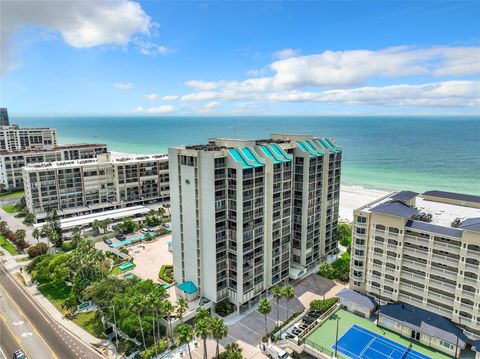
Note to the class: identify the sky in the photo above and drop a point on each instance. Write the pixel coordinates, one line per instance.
(240, 58)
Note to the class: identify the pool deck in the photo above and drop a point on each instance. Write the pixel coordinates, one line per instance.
(325, 334)
(149, 257)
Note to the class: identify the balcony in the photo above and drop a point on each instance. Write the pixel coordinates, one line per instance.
(411, 276)
(360, 225)
(473, 267)
(440, 297)
(444, 259)
(417, 240)
(414, 264)
(466, 307)
(446, 247)
(472, 281)
(467, 294)
(408, 299)
(360, 235)
(441, 285)
(445, 273)
(393, 234)
(473, 254)
(416, 252)
(411, 288)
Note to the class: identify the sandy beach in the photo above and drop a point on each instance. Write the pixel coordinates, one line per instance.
(352, 197)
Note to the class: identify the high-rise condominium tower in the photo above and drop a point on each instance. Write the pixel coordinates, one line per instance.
(249, 214)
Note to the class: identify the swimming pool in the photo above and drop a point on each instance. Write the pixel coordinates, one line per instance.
(127, 242)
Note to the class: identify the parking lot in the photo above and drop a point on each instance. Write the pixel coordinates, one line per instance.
(251, 327)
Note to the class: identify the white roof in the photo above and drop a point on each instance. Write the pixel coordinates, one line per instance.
(86, 219)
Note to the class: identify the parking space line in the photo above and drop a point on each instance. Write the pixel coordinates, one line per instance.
(253, 331)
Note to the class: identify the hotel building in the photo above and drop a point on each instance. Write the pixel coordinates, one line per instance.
(422, 250)
(4, 117)
(12, 162)
(13, 138)
(80, 187)
(248, 214)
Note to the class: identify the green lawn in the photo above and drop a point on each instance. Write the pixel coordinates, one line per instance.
(56, 293)
(8, 246)
(91, 323)
(11, 208)
(13, 194)
(116, 270)
(324, 336)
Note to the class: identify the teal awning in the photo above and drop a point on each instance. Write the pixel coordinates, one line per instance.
(188, 287)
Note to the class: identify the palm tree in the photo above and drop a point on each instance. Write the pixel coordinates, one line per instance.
(36, 234)
(277, 292)
(96, 226)
(265, 308)
(185, 336)
(105, 223)
(76, 234)
(202, 313)
(167, 310)
(182, 306)
(288, 294)
(137, 304)
(219, 331)
(233, 351)
(202, 330)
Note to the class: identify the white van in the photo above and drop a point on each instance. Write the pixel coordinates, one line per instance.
(276, 353)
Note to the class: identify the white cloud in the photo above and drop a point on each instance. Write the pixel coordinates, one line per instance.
(209, 107)
(347, 68)
(139, 109)
(162, 109)
(285, 53)
(170, 98)
(81, 24)
(148, 48)
(202, 85)
(151, 97)
(123, 85)
(447, 93)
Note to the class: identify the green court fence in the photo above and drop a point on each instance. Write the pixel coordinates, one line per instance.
(319, 348)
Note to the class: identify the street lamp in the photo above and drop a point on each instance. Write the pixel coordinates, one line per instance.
(336, 338)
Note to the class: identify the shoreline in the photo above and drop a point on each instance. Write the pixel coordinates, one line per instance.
(354, 196)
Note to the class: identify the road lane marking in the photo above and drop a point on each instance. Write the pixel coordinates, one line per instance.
(14, 336)
(27, 334)
(18, 323)
(2, 352)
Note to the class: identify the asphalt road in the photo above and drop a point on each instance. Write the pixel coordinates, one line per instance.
(8, 342)
(61, 344)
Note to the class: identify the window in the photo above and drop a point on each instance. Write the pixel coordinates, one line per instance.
(446, 344)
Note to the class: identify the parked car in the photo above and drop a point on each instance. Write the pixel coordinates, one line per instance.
(120, 236)
(276, 353)
(18, 354)
(107, 241)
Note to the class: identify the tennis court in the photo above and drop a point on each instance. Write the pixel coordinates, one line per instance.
(360, 343)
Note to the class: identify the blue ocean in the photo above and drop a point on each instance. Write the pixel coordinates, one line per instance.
(415, 153)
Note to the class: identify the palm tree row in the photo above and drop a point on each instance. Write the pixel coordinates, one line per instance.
(265, 307)
(205, 327)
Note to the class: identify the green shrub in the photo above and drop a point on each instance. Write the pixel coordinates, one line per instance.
(321, 306)
(37, 250)
(338, 270)
(224, 308)
(166, 273)
(151, 351)
(68, 246)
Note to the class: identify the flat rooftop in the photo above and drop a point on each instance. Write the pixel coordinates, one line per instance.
(89, 161)
(86, 219)
(442, 214)
(53, 149)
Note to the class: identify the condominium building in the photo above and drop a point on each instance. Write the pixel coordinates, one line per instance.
(422, 250)
(248, 214)
(78, 187)
(4, 117)
(14, 138)
(12, 162)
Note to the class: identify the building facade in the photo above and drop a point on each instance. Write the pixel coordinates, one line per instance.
(422, 250)
(12, 162)
(78, 187)
(4, 121)
(246, 214)
(14, 138)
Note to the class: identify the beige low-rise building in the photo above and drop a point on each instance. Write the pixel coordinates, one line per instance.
(14, 137)
(79, 187)
(12, 162)
(422, 250)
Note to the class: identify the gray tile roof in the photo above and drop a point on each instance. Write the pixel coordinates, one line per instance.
(357, 298)
(451, 195)
(395, 208)
(425, 322)
(471, 224)
(404, 195)
(434, 228)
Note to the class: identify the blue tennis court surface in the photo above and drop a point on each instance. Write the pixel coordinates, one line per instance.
(360, 343)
